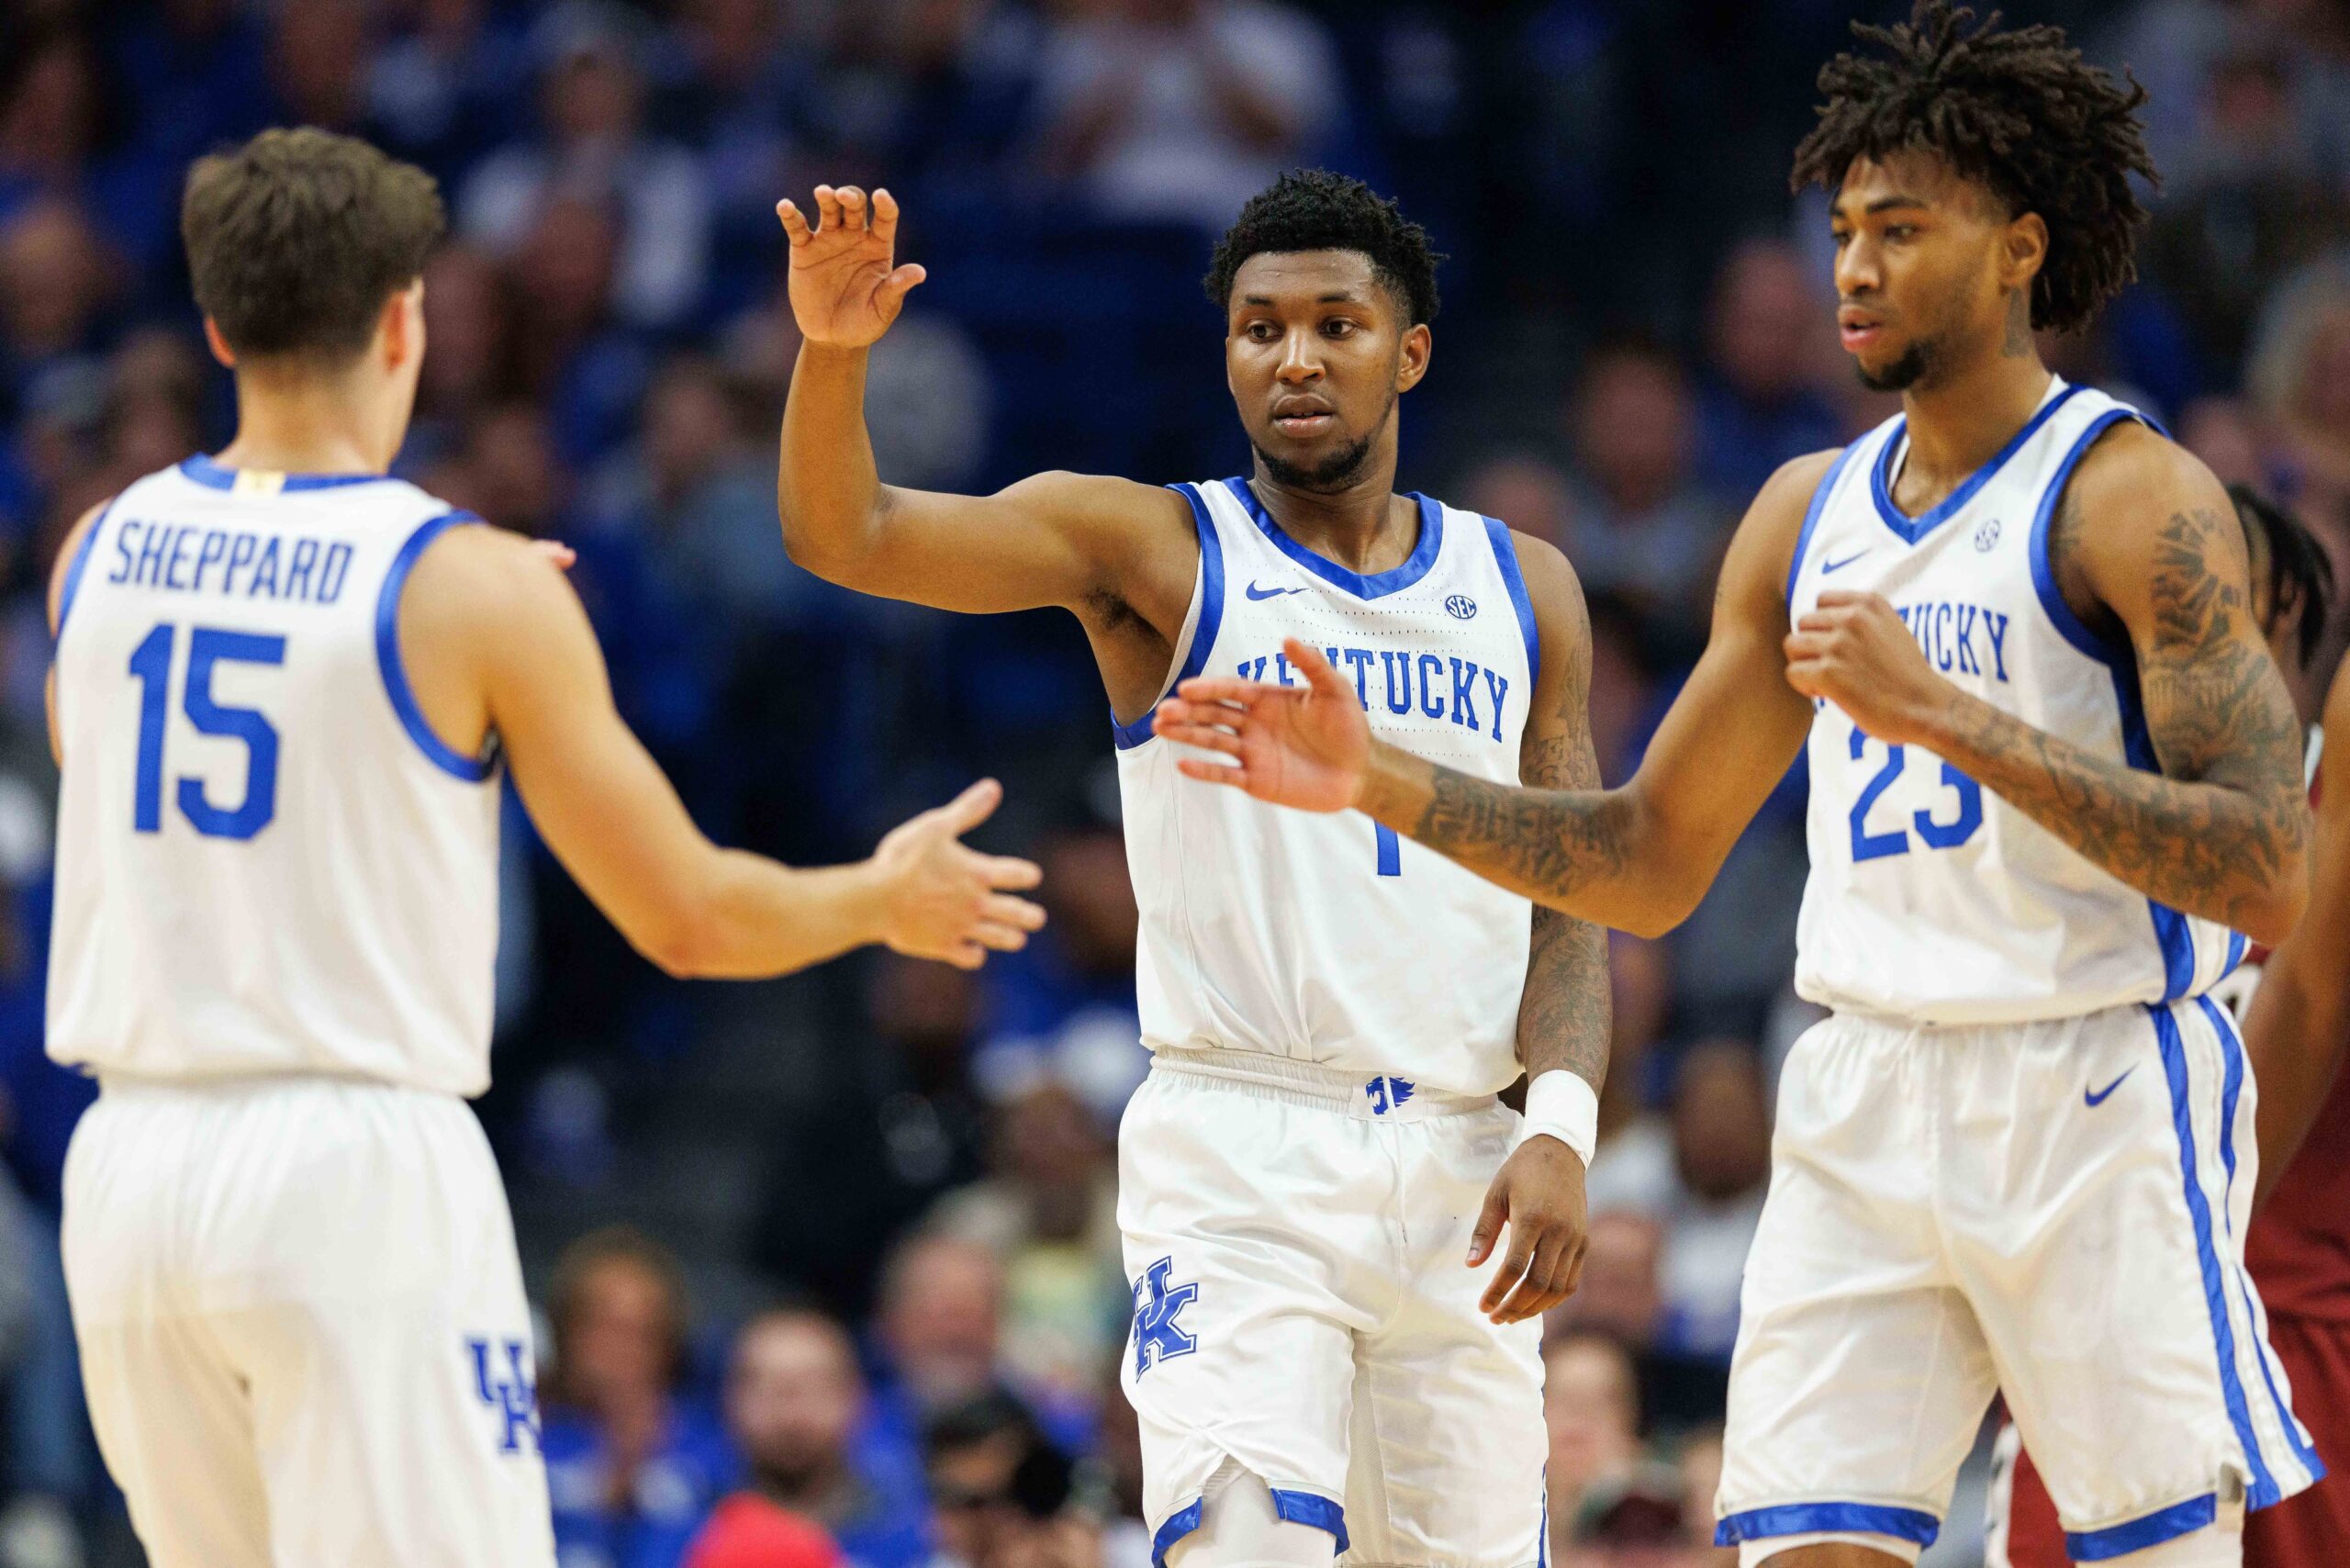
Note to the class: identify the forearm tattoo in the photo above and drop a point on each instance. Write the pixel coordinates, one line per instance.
(1567, 1015)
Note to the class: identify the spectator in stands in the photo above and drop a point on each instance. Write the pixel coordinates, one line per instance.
(318, 62)
(1760, 402)
(1598, 1466)
(747, 1531)
(1526, 492)
(794, 1402)
(939, 1325)
(2298, 375)
(469, 322)
(57, 277)
(588, 370)
(891, 1123)
(1179, 110)
(593, 149)
(1721, 1145)
(441, 90)
(1049, 1211)
(633, 1467)
(1003, 1492)
(1649, 533)
(64, 124)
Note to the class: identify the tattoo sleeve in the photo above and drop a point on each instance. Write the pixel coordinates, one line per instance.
(2224, 824)
(1567, 1015)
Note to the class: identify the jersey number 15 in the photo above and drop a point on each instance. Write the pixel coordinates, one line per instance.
(207, 648)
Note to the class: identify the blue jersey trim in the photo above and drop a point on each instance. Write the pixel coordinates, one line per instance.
(1820, 497)
(2231, 1044)
(472, 770)
(1179, 1523)
(1813, 1518)
(1913, 528)
(1195, 657)
(1378, 585)
(74, 568)
(2151, 1529)
(2263, 1489)
(2044, 573)
(2236, 946)
(1513, 578)
(214, 476)
(1311, 1508)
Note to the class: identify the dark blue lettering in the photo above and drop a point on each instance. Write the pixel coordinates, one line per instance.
(179, 552)
(1997, 624)
(265, 572)
(153, 545)
(331, 571)
(240, 554)
(1393, 665)
(298, 575)
(122, 551)
(1464, 695)
(1497, 687)
(1360, 658)
(216, 546)
(1966, 663)
(1431, 697)
(1942, 638)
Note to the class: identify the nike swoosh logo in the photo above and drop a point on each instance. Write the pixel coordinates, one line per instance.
(1255, 592)
(1827, 566)
(2093, 1098)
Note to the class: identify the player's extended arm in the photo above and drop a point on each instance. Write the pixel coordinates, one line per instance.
(1054, 539)
(1638, 857)
(2222, 831)
(66, 551)
(494, 639)
(2299, 1023)
(1564, 1017)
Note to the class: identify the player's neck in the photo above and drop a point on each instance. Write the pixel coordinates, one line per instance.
(1352, 526)
(1959, 424)
(308, 424)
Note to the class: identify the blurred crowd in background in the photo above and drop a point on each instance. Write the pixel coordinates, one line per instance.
(829, 1266)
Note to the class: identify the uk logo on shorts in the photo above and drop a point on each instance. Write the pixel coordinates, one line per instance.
(1388, 1093)
(506, 1389)
(1158, 1337)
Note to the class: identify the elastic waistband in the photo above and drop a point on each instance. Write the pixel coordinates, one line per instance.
(137, 1086)
(1375, 1097)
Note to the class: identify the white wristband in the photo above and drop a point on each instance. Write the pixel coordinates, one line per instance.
(1564, 1107)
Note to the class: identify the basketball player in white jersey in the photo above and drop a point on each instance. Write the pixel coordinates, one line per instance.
(1318, 1150)
(2055, 784)
(286, 690)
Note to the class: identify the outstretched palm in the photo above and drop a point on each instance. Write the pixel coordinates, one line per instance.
(1303, 746)
(845, 289)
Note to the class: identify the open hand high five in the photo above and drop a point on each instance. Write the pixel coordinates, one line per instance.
(946, 901)
(845, 288)
(1306, 746)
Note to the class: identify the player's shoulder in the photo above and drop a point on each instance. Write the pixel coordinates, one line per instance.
(2131, 463)
(472, 572)
(1063, 495)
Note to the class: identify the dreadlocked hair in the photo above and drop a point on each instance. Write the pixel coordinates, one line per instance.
(2019, 111)
(1314, 209)
(2298, 570)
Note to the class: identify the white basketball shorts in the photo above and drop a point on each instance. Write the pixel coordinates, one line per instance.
(2053, 1209)
(1297, 1240)
(302, 1329)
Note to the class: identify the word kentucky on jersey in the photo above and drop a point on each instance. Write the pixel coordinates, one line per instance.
(179, 556)
(1439, 685)
(1947, 632)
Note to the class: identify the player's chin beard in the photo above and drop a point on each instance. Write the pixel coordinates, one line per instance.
(1915, 368)
(1334, 473)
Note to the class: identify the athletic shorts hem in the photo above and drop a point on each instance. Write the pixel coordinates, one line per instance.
(2147, 1530)
(1831, 1517)
(1290, 1503)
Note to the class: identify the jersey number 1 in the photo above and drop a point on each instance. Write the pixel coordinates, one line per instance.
(208, 647)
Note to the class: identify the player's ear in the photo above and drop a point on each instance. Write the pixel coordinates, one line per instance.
(1412, 363)
(2024, 249)
(400, 329)
(219, 344)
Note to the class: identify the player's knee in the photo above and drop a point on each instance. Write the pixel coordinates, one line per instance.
(1240, 1527)
(1826, 1550)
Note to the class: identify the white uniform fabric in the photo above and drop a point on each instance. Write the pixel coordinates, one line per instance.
(1931, 899)
(1331, 1011)
(1329, 939)
(1298, 1239)
(293, 1276)
(1926, 1245)
(265, 862)
(2010, 1159)
(302, 1326)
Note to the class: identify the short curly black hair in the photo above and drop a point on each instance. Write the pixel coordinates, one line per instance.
(2019, 111)
(1314, 209)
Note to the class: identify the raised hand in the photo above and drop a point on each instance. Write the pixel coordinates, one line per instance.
(1855, 651)
(1304, 746)
(948, 901)
(845, 289)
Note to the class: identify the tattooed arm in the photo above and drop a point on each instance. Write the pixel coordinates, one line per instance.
(1563, 1020)
(2145, 545)
(1638, 858)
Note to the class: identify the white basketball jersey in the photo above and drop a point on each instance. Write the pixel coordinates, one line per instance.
(1931, 899)
(266, 862)
(1328, 940)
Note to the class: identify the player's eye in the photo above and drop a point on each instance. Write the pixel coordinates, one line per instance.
(1899, 230)
(1338, 329)
(1262, 332)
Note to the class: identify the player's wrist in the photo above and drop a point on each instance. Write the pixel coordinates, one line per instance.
(1563, 1105)
(1383, 790)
